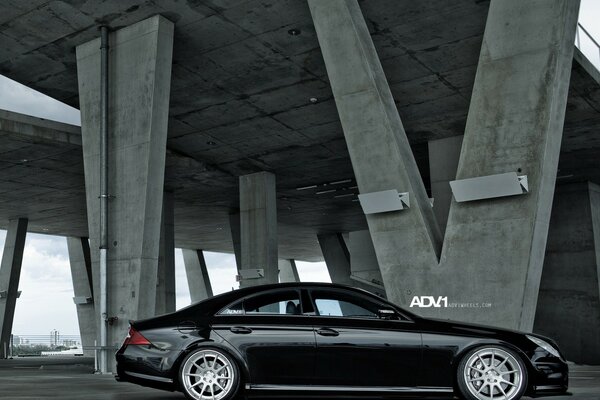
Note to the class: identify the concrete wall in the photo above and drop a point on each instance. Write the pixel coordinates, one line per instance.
(568, 307)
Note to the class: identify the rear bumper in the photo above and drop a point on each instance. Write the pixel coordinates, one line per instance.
(147, 366)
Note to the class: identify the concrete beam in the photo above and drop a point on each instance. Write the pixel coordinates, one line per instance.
(337, 257)
(81, 275)
(514, 125)
(236, 238)
(139, 84)
(258, 225)
(569, 290)
(165, 283)
(36, 129)
(288, 271)
(197, 275)
(443, 163)
(10, 273)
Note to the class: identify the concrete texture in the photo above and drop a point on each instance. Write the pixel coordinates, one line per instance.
(236, 237)
(337, 257)
(71, 379)
(81, 275)
(241, 104)
(165, 284)
(139, 86)
(363, 261)
(443, 163)
(197, 275)
(258, 226)
(10, 273)
(569, 297)
(288, 271)
(515, 123)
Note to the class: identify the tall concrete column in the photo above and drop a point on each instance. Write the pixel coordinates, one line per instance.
(197, 275)
(258, 225)
(337, 257)
(165, 284)
(443, 163)
(10, 273)
(288, 271)
(514, 125)
(81, 275)
(568, 308)
(139, 85)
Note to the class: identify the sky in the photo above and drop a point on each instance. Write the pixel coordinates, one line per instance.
(46, 300)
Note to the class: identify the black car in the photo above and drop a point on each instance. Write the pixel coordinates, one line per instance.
(310, 339)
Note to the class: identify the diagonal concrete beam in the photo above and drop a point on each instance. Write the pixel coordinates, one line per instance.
(514, 125)
(10, 274)
(377, 143)
(81, 275)
(197, 275)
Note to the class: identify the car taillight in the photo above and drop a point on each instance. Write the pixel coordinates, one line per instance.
(135, 338)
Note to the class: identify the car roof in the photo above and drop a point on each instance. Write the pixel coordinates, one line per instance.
(211, 304)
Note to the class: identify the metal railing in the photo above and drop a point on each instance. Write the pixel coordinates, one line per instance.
(588, 45)
(42, 345)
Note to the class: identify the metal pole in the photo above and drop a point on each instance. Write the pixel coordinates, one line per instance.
(103, 199)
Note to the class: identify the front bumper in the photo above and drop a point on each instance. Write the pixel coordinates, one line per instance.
(551, 376)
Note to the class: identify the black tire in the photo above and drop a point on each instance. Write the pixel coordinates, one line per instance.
(213, 360)
(493, 376)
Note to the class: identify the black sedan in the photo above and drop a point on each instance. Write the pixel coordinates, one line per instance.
(310, 339)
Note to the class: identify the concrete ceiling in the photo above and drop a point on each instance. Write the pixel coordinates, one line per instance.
(240, 103)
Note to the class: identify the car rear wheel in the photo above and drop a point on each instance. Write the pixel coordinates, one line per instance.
(492, 373)
(209, 374)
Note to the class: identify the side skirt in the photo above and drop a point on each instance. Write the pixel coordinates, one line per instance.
(357, 389)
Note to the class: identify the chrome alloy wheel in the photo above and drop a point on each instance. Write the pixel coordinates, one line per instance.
(208, 374)
(493, 374)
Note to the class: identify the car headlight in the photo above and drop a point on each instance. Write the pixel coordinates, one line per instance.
(544, 345)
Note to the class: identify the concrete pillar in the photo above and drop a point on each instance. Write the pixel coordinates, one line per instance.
(568, 307)
(10, 273)
(514, 125)
(364, 267)
(288, 271)
(197, 275)
(81, 275)
(258, 225)
(139, 84)
(165, 283)
(337, 257)
(236, 238)
(443, 162)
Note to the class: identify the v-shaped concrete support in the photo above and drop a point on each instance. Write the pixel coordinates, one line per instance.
(490, 263)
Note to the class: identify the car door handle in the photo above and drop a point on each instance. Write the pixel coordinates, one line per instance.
(241, 330)
(328, 332)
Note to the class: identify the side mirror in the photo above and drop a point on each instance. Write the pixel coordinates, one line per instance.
(387, 313)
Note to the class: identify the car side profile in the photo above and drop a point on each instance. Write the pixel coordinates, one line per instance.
(315, 339)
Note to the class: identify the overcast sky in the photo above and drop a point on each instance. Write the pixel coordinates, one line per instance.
(46, 302)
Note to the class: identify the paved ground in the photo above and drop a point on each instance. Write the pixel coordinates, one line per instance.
(72, 378)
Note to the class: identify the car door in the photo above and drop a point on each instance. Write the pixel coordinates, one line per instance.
(273, 336)
(355, 347)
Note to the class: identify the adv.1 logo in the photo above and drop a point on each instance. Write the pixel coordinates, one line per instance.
(429, 301)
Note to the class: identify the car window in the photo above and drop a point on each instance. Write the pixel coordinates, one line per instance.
(338, 304)
(282, 302)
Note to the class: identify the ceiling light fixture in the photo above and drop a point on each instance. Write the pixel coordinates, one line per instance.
(294, 32)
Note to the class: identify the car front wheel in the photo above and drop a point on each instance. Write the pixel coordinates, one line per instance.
(209, 374)
(492, 373)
